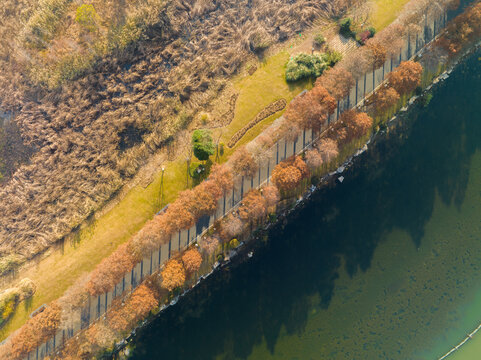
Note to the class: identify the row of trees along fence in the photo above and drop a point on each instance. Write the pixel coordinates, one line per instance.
(365, 84)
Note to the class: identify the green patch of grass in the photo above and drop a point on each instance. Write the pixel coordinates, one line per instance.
(385, 12)
(266, 85)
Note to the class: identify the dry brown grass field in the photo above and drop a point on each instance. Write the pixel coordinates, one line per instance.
(93, 132)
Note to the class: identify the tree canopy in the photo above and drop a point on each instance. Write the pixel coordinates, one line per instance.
(202, 144)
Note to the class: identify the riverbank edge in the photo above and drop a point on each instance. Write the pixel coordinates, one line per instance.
(246, 249)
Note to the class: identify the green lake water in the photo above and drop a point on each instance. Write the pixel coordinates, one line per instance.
(386, 265)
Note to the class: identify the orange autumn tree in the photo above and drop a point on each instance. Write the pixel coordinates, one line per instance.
(243, 163)
(271, 195)
(311, 110)
(313, 159)
(111, 270)
(222, 176)
(196, 202)
(192, 260)
(231, 227)
(138, 305)
(209, 245)
(154, 233)
(385, 99)
(253, 206)
(406, 77)
(173, 275)
(178, 215)
(288, 174)
(338, 82)
(220, 180)
(37, 330)
(356, 123)
(328, 150)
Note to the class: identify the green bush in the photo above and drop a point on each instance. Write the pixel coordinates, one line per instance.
(304, 66)
(202, 144)
(345, 28)
(319, 40)
(372, 30)
(8, 303)
(332, 57)
(234, 243)
(87, 17)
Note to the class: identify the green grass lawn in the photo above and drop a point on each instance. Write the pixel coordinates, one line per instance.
(258, 90)
(385, 12)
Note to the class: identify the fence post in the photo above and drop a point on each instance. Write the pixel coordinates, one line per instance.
(277, 155)
(150, 272)
(223, 212)
(268, 170)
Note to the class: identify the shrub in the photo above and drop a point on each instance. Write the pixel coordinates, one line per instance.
(26, 288)
(363, 36)
(304, 66)
(332, 57)
(426, 99)
(319, 40)
(345, 28)
(202, 144)
(87, 17)
(204, 118)
(9, 263)
(8, 302)
(234, 243)
(259, 40)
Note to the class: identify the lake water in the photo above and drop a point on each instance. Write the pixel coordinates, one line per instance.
(385, 265)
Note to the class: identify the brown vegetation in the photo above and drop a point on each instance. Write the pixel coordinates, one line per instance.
(111, 270)
(406, 77)
(209, 244)
(243, 163)
(138, 305)
(173, 275)
(385, 99)
(310, 110)
(253, 206)
(269, 110)
(287, 175)
(37, 329)
(464, 29)
(93, 134)
(191, 260)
